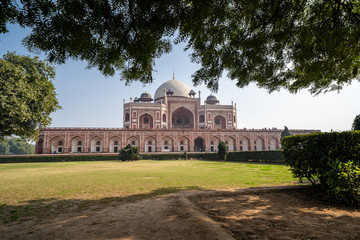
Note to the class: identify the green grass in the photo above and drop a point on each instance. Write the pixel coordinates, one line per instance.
(24, 182)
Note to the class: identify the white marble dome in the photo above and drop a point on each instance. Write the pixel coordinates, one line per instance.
(180, 89)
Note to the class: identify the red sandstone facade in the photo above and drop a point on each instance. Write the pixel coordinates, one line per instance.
(174, 121)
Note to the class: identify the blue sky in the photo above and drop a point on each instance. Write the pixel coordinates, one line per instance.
(89, 99)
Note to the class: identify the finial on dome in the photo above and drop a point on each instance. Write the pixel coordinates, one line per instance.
(173, 75)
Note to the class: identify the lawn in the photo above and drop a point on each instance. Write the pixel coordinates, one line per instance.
(25, 182)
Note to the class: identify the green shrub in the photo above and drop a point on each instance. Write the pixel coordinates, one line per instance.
(129, 153)
(222, 151)
(333, 159)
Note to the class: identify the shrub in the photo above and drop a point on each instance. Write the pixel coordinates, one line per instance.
(333, 159)
(129, 153)
(222, 151)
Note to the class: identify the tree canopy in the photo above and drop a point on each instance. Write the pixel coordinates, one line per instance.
(291, 44)
(285, 132)
(356, 123)
(16, 146)
(27, 96)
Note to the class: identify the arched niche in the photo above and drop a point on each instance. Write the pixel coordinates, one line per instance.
(133, 141)
(273, 145)
(166, 144)
(182, 118)
(258, 144)
(219, 122)
(150, 144)
(77, 144)
(244, 144)
(146, 121)
(213, 144)
(183, 144)
(114, 145)
(230, 144)
(96, 144)
(57, 145)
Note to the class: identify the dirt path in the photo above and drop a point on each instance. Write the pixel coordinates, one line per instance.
(265, 213)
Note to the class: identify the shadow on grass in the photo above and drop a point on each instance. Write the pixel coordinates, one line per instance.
(51, 207)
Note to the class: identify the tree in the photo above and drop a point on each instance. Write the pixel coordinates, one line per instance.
(129, 153)
(222, 151)
(292, 44)
(27, 96)
(356, 123)
(286, 132)
(16, 146)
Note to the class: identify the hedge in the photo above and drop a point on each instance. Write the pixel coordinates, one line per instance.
(57, 158)
(250, 156)
(332, 159)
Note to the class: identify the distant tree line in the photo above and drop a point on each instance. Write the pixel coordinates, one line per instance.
(16, 146)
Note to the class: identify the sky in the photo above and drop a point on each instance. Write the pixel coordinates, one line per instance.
(89, 99)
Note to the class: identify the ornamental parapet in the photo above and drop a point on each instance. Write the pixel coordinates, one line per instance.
(294, 131)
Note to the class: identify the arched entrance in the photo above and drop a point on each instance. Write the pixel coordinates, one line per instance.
(199, 145)
(182, 118)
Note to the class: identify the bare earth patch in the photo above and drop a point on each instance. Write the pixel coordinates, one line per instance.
(260, 213)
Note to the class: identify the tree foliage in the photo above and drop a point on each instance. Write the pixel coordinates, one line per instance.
(356, 123)
(129, 153)
(292, 44)
(332, 159)
(16, 146)
(222, 151)
(286, 132)
(27, 96)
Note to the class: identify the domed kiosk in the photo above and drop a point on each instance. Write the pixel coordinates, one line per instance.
(211, 99)
(178, 88)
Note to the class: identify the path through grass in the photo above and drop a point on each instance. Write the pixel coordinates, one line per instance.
(24, 182)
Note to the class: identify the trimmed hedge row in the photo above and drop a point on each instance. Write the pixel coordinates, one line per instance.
(251, 156)
(57, 158)
(333, 159)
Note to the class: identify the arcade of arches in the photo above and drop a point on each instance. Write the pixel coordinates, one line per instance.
(84, 141)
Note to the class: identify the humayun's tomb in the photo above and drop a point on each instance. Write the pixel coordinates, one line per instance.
(174, 120)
